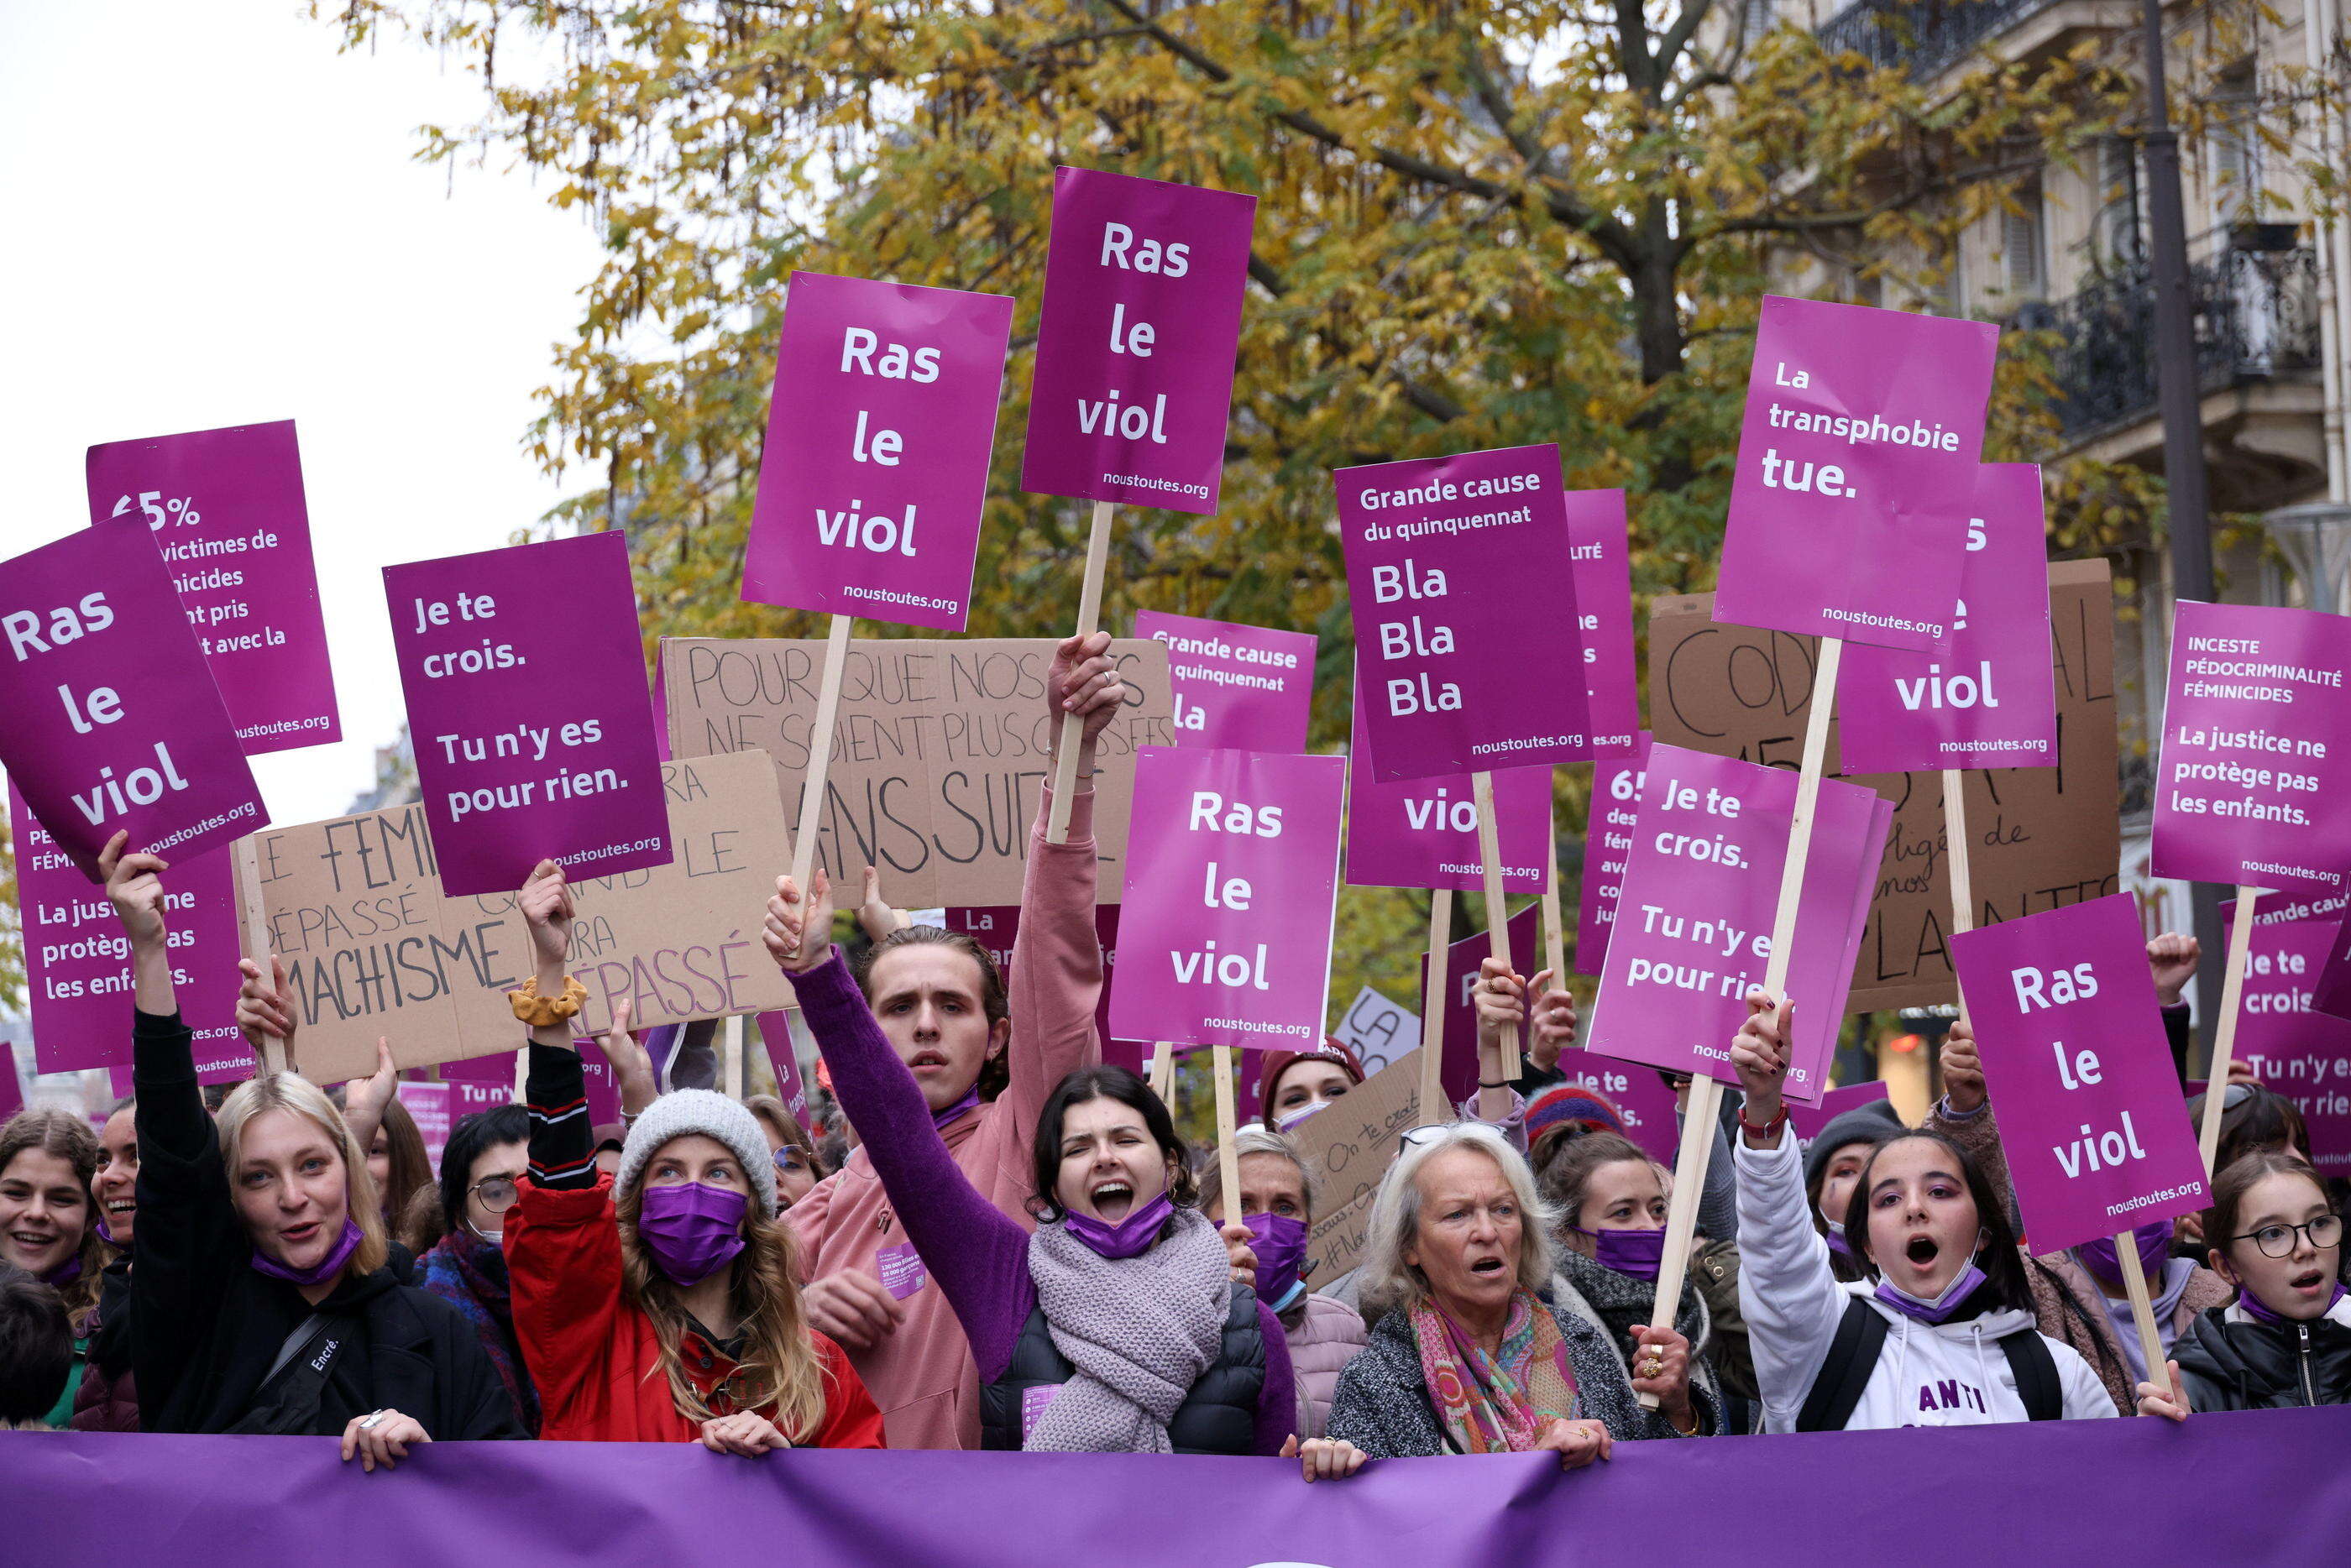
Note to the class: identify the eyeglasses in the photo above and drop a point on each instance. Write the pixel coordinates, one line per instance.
(2278, 1240)
(1420, 1137)
(791, 1156)
(498, 1193)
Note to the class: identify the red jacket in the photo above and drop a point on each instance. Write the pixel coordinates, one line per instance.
(593, 1355)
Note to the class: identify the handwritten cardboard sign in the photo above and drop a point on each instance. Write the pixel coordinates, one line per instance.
(1616, 803)
(1142, 320)
(1456, 676)
(373, 947)
(2294, 1049)
(1601, 562)
(226, 513)
(1423, 832)
(1237, 688)
(1860, 437)
(1989, 695)
(940, 749)
(2076, 1063)
(2044, 837)
(1350, 1143)
(1464, 960)
(997, 927)
(2256, 759)
(108, 718)
(1376, 1029)
(874, 472)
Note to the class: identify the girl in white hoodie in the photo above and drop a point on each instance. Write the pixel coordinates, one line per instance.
(1939, 1330)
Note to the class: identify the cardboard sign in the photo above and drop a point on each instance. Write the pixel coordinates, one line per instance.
(941, 751)
(874, 472)
(353, 906)
(2076, 1063)
(78, 961)
(226, 512)
(1616, 803)
(1423, 832)
(2256, 759)
(1463, 960)
(1135, 348)
(109, 720)
(1640, 1097)
(1989, 696)
(1350, 1143)
(997, 927)
(1808, 1120)
(1456, 676)
(1376, 1029)
(1232, 880)
(1600, 561)
(1860, 441)
(1237, 688)
(2044, 836)
(1694, 921)
(2294, 1049)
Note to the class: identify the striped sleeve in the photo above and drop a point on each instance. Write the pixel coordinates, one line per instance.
(562, 1143)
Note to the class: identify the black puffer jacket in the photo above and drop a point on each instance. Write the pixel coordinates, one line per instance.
(1217, 1416)
(2254, 1366)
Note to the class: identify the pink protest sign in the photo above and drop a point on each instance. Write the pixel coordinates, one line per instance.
(2077, 1067)
(775, 1034)
(1642, 1097)
(2332, 993)
(1987, 697)
(528, 704)
(1808, 1120)
(1232, 878)
(428, 1107)
(108, 719)
(226, 512)
(997, 927)
(1134, 349)
(1862, 427)
(1463, 963)
(875, 470)
(2294, 1048)
(1616, 802)
(2256, 758)
(1423, 833)
(1237, 688)
(77, 962)
(1693, 929)
(1456, 675)
(1600, 563)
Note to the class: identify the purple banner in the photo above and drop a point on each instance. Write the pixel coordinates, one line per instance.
(1643, 1098)
(1462, 961)
(1457, 673)
(528, 708)
(1423, 833)
(2296, 1050)
(1693, 931)
(1808, 1120)
(874, 474)
(1237, 688)
(2256, 758)
(2075, 1058)
(997, 927)
(226, 512)
(1616, 802)
(1600, 563)
(1232, 878)
(1861, 428)
(1987, 697)
(1142, 320)
(108, 719)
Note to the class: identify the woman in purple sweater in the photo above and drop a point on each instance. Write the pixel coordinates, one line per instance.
(1127, 1323)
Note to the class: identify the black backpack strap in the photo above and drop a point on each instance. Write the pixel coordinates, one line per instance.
(2035, 1371)
(1852, 1358)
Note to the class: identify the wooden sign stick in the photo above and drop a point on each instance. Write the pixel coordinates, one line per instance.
(1497, 910)
(1073, 728)
(1163, 1073)
(1229, 1164)
(828, 704)
(2150, 1338)
(253, 918)
(1956, 845)
(734, 1070)
(1555, 923)
(1433, 1110)
(2224, 1038)
(1704, 1106)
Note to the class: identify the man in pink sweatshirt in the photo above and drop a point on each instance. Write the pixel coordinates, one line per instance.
(866, 1287)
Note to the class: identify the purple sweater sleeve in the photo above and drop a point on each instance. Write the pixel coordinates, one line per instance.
(979, 1257)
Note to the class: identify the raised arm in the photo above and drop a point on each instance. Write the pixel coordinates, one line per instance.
(1964, 1115)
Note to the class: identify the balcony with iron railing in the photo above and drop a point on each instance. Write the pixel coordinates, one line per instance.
(1921, 37)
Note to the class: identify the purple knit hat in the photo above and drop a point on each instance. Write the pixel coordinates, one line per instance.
(1571, 1104)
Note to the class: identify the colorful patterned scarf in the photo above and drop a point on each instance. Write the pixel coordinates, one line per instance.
(1491, 1403)
(470, 1274)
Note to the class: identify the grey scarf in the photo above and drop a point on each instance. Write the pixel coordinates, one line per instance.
(1139, 1331)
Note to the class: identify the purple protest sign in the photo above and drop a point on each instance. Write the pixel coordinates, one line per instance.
(2078, 1065)
(428, 1107)
(1600, 561)
(1701, 887)
(1808, 1120)
(1456, 676)
(1423, 832)
(2256, 756)
(1237, 688)
(1861, 426)
(1987, 697)
(2332, 993)
(1142, 320)
(783, 1059)
(532, 722)
(108, 719)
(485, 1083)
(2294, 1048)
(1463, 961)
(78, 961)
(876, 469)
(226, 512)
(997, 927)
(1607, 841)
(1232, 878)
(1642, 1097)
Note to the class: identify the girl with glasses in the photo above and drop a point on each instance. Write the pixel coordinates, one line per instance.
(482, 1169)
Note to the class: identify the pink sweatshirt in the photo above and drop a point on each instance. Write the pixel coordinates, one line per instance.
(922, 1375)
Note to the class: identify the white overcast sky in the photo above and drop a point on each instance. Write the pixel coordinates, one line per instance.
(213, 218)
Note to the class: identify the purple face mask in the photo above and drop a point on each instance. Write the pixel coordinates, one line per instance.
(1130, 1237)
(1280, 1247)
(1943, 1307)
(106, 1234)
(1289, 1120)
(941, 1119)
(1837, 1243)
(328, 1267)
(2262, 1311)
(2153, 1243)
(1633, 1252)
(691, 1230)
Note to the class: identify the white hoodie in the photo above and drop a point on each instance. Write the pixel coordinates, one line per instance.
(1947, 1374)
